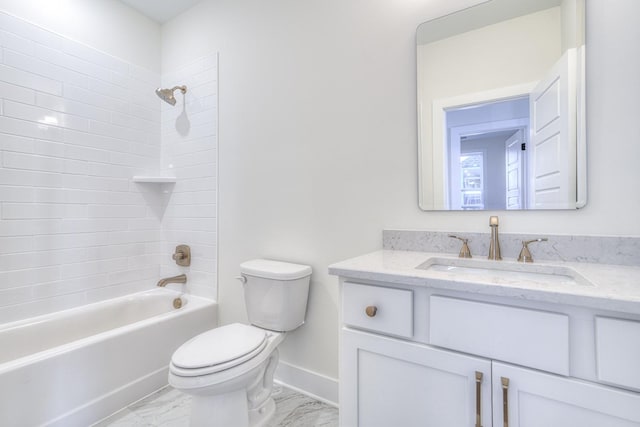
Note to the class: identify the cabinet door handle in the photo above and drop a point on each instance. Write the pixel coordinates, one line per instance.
(371, 310)
(505, 400)
(478, 399)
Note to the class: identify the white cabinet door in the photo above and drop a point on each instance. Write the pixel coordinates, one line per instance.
(536, 399)
(389, 382)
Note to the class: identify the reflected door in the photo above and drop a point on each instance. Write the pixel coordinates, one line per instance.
(514, 159)
(553, 141)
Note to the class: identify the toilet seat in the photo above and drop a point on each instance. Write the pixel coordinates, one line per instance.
(218, 349)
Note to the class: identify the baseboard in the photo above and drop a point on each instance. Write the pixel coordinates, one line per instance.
(307, 382)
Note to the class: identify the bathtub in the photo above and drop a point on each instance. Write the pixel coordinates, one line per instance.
(77, 366)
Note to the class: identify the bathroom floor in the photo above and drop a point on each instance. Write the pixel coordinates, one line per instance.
(170, 408)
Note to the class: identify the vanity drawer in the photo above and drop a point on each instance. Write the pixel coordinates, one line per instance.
(526, 337)
(618, 351)
(385, 310)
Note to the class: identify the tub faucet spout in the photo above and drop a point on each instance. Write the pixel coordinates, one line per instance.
(182, 278)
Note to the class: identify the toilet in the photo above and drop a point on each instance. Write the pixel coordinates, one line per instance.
(229, 370)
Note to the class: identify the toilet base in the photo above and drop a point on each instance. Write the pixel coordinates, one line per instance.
(247, 401)
(224, 410)
(261, 417)
(230, 410)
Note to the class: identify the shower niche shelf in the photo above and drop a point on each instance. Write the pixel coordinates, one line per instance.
(152, 179)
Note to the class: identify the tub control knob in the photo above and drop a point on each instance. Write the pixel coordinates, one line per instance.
(182, 255)
(371, 310)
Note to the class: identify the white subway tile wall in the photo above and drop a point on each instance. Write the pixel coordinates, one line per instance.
(75, 125)
(189, 152)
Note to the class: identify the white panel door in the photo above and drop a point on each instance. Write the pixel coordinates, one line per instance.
(514, 166)
(387, 382)
(537, 399)
(553, 137)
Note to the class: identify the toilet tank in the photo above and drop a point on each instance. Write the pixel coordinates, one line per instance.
(275, 293)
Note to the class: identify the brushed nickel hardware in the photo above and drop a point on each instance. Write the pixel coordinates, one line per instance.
(242, 279)
(182, 255)
(167, 94)
(505, 400)
(478, 399)
(464, 251)
(182, 278)
(371, 310)
(494, 244)
(525, 254)
(177, 303)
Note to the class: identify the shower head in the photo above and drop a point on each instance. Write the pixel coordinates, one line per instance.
(167, 94)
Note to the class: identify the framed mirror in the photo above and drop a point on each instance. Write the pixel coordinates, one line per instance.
(501, 118)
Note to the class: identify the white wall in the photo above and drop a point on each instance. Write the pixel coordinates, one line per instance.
(106, 25)
(318, 138)
(189, 152)
(317, 125)
(75, 126)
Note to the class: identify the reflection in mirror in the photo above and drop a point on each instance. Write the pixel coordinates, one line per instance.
(500, 107)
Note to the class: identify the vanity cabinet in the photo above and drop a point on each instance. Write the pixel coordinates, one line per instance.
(461, 362)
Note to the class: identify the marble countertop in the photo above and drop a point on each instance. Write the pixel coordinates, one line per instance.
(600, 286)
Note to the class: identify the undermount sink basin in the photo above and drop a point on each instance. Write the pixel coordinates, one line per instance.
(501, 271)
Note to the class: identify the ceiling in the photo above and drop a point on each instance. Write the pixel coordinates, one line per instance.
(160, 11)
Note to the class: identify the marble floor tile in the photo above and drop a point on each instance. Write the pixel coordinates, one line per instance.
(294, 409)
(170, 408)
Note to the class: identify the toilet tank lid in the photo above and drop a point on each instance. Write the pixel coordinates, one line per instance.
(277, 270)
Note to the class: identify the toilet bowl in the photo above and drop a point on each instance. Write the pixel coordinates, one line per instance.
(229, 370)
(233, 387)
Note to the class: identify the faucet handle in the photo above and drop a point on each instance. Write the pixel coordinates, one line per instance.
(525, 253)
(182, 255)
(464, 251)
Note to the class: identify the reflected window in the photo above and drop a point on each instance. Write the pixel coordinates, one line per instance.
(472, 178)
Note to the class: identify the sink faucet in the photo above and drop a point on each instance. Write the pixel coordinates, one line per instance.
(182, 278)
(464, 251)
(525, 253)
(494, 244)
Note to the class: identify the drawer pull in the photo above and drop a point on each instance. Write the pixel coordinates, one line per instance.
(505, 400)
(478, 399)
(371, 310)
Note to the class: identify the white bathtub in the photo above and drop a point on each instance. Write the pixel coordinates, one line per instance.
(74, 367)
